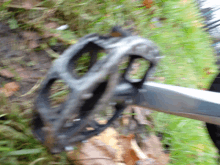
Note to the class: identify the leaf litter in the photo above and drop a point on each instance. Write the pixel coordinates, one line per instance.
(113, 147)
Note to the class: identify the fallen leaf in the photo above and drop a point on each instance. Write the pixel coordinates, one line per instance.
(23, 73)
(129, 155)
(29, 4)
(6, 73)
(51, 25)
(48, 34)
(137, 150)
(28, 35)
(134, 120)
(27, 74)
(111, 152)
(152, 147)
(116, 34)
(140, 115)
(148, 3)
(101, 150)
(110, 137)
(89, 154)
(133, 155)
(33, 44)
(10, 88)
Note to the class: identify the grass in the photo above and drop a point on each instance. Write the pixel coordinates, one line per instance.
(17, 144)
(189, 62)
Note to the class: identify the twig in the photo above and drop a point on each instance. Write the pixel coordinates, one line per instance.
(92, 159)
(52, 53)
(21, 7)
(37, 160)
(33, 89)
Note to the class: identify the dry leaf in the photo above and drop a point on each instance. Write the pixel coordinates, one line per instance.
(47, 34)
(33, 44)
(140, 115)
(10, 88)
(90, 154)
(101, 150)
(29, 4)
(134, 120)
(116, 34)
(6, 73)
(148, 3)
(132, 153)
(31, 39)
(111, 152)
(51, 25)
(152, 147)
(23, 73)
(129, 155)
(27, 74)
(110, 137)
(28, 35)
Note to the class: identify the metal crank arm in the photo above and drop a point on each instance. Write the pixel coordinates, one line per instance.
(191, 103)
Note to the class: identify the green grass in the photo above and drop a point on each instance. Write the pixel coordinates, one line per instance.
(17, 144)
(189, 62)
(188, 140)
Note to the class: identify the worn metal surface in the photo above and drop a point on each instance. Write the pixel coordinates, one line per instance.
(59, 128)
(180, 101)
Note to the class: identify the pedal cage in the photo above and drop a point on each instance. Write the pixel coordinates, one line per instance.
(58, 128)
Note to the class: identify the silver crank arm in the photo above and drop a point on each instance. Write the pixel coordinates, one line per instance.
(186, 102)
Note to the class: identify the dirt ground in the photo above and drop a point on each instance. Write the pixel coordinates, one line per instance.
(28, 66)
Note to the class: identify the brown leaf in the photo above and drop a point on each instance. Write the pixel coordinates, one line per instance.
(10, 88)
(116, 34)
(152, 147)
(33, 44)
(148, 3)
(27, 74)
(28, 35)
(23, 73)
(6, 73)
(110, 137)
(89, 154)
(140, 116)
(132, 153)
(100, 150)
(111, 152)
(29, 4)
(48, 34)
(51, 25)
(137, 150)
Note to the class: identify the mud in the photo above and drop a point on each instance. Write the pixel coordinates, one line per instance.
(27, 65)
